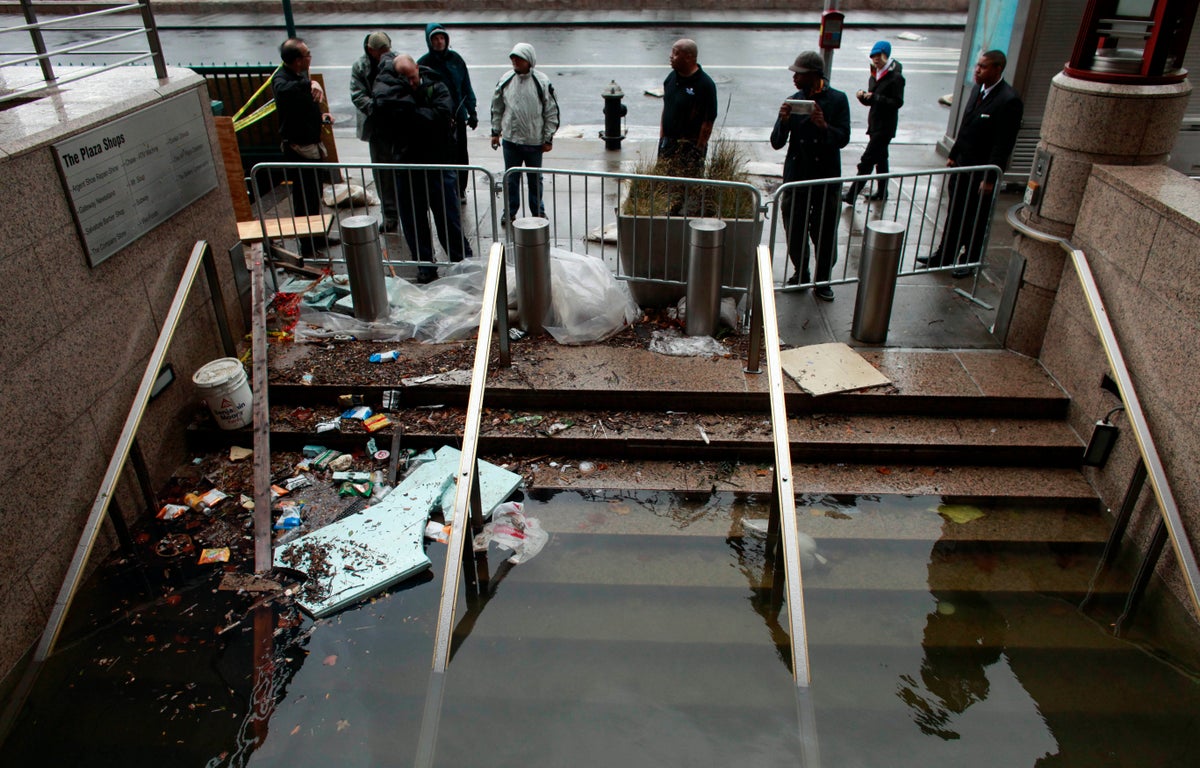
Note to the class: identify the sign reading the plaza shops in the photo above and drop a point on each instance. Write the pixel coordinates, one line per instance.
(130, 175)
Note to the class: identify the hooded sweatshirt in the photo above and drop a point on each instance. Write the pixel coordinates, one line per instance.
(362, 81)
(524, 108)
(453, 71)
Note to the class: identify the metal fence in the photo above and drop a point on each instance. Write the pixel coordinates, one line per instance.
(69, 40)
(637, 224)
(428, 214)
(817, 226)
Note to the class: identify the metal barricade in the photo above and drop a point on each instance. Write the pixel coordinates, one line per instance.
(816, 237)
(425, 223)
(638, 224)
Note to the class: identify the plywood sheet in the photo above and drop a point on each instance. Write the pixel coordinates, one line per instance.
(822, 369)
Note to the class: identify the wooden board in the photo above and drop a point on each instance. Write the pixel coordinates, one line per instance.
(232, 159)
(821, 369)
(288, 226)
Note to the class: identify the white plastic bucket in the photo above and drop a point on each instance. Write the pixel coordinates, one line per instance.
(223, 386)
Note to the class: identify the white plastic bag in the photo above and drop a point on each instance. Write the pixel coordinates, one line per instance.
(587, 302)
(511, 529)
(339, 195)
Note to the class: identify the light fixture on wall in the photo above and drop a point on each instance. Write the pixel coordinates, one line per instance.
(1104, 436)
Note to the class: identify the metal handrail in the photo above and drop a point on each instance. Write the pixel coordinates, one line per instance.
(42, 55)
(1169, 510)
(201, 254)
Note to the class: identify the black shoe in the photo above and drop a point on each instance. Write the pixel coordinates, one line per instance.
(389, 225)
(793, 280)
(880, 194)
(848, 196)
(963, 272)
(934, 259)
(426, 275)
(823, 292)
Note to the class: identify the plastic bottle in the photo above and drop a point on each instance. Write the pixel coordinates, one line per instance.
(385, 357)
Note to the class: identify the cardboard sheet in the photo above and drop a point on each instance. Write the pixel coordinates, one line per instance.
(822, 369)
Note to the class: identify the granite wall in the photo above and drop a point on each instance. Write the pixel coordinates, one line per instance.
(1140, 229)
(75, 340)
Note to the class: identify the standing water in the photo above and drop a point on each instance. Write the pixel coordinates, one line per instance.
(645, 633)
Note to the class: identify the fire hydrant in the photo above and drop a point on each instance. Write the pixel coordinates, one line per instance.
(614, 110)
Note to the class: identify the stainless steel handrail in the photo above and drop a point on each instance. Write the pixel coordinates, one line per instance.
(1133, 407)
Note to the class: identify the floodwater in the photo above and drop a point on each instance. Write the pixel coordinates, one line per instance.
(645, 634)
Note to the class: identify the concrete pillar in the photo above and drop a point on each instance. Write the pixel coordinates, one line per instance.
(1086, 123)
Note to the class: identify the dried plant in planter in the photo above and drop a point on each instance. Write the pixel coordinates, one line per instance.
(663, 197)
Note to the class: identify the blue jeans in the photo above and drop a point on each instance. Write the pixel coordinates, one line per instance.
(516, 155)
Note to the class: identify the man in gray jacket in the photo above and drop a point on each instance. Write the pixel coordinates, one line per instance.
(524, 119)
(362, 82)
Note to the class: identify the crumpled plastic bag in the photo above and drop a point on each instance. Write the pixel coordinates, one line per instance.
(345, 194)
(671, 342)
(587, 303)
(511, 529)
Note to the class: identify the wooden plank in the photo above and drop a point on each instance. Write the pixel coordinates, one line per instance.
(291, 226)
(232, 158)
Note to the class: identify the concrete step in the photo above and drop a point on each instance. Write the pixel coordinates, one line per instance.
(550, 377)
(690, 435)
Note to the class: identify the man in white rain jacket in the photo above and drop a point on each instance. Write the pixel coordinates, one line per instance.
(524, 119)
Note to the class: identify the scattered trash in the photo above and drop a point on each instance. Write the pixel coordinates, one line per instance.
(703, 434)
(207, 501)
(382, 455)
(171, 511)
(299, 481)
(391, 399)
(232, 581)
(355, 489)
(174, 545)
(385, 357)
(313, 451)
(237, 453)
(822, 369)
(289, 518)
(671, 342)
(215, 555)
(346, 194)
(438, 532)
(329, 426)
(359, 412)
(559, 426)
(306, 379)
(376, 422)
(511, 529)
(302, 413)
(586, 468)
(532, 419)
(353, 477)
(347, 401)
(947, 100)
(959, 513)
(341, 463)
(911, 36)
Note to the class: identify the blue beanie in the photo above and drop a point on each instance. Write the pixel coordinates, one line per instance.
(884, 47)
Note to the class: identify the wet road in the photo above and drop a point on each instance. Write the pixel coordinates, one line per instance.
(749, 66)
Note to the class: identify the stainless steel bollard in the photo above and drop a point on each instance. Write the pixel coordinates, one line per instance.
(880, 261)
(531, 259)
(364, 267)
(706, 245)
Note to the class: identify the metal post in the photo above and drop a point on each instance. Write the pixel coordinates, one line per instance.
(880, 262)
(39, 44)
(289, 21)
(706, 244)
(531, 259)
(156, 53)
(1158, 540)
(364, 267)
(218, 299)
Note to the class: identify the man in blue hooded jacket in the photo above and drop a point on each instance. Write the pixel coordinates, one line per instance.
(453, 71)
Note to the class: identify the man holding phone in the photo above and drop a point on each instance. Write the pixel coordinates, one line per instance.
(814, 136)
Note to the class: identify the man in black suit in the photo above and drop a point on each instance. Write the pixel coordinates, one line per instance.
(985, 137)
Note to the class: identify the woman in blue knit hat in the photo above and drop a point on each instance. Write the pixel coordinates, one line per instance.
(884, 96)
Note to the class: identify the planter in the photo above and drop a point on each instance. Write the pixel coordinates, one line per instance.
(656, 247)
